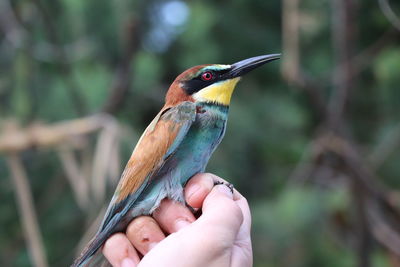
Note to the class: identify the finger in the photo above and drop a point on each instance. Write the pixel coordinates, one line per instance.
(237, 197)
(120, 252)
(222, 212)
(173, 216)
(144, 233)
(243, 238)
(246, 225)
(236, 194)
(197, 188)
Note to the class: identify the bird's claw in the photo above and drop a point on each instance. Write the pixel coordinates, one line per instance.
(229, 185)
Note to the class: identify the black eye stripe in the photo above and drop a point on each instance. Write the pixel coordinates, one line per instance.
(197, 83)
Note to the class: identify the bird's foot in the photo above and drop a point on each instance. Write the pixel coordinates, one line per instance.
(229, 185)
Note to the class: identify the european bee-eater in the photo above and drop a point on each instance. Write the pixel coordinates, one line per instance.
(175, 146)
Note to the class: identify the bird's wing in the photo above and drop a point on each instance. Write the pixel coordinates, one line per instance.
(160, 139)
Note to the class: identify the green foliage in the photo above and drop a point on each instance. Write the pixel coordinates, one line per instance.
(302, 217)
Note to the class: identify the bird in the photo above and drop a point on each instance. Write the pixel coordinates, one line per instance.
(175, 146)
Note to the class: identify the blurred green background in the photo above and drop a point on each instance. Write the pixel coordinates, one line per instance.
(312, 140)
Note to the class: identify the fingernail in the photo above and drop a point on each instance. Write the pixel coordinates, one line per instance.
(127, 262)
(192, 190)
(225, 190)
(181, 223)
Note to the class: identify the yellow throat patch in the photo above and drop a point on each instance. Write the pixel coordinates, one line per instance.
(219, 92)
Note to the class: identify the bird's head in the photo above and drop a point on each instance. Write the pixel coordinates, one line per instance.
(212, 83)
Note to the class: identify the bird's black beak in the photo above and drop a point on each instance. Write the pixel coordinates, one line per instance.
(242, 67)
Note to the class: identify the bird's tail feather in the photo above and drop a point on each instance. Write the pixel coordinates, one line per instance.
(91, 255)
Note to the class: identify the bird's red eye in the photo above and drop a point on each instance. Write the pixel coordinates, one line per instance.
(207, 76)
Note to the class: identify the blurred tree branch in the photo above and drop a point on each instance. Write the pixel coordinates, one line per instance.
(363, 59)
(64, 137)
(389, 13)
(292, 70)
(345, 31)
(373, 192)
(75, 177)
(15, 139)
(344, 39)
(27, 212)
(331, 138)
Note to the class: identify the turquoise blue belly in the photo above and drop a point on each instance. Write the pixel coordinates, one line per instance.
(190, 158)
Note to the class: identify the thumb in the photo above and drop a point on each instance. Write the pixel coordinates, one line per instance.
(221, 214)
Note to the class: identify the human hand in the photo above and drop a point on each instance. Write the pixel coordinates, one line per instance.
(173, 236)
